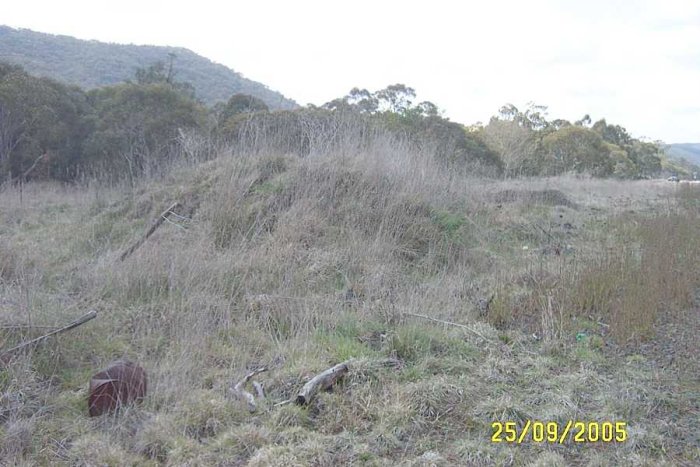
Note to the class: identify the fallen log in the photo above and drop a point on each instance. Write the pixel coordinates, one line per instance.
(154, 225)
(321, 382)
(239, 389)
(80, 321)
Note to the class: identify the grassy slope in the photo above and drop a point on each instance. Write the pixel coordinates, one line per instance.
(261, 274)
(91, 64)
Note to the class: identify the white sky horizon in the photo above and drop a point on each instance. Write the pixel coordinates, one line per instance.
(636, 64)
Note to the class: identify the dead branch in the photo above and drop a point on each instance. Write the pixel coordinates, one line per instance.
(17, 327)
(26, 173)
(391, 362)
(154, 225)
(240, 392)
(322, 381)
(259, 389)
(82, 320)
(450, 323)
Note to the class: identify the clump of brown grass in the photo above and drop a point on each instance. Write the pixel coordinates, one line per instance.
(653, 275)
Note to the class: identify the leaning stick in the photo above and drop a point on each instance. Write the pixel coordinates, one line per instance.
(82, 320)
(320, 382)
(154, 225)
(240, 392)
(13, 327)
(450, 323)
(24, 175)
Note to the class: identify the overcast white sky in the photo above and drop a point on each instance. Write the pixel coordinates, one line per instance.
(635, 63)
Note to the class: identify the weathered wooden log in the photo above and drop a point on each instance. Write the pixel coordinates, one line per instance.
(154, 225)
(121, 383)
(321, 382)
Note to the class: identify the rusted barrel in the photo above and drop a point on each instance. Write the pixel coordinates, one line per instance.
(121, 383)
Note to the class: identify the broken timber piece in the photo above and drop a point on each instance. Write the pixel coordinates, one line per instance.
(154, 225)
(121, 383)
(240, 392)
(321, 382)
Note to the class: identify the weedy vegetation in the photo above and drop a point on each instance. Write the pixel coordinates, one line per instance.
(579, 298)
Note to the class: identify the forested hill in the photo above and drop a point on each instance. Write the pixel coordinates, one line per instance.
(90, 64)
(688, 151)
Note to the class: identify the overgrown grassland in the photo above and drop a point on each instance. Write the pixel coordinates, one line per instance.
(581, 299)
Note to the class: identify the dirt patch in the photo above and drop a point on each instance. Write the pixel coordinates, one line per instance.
(547, 197)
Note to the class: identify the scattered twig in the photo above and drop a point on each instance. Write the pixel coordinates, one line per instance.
(551, 237)
(450, 323)
(154, 225)
(391, 362)
(82, 320)
(322, 381)
(175, 223)
(328, 378)
(259, 389)
(240, 392)
(26, 173)
(182, 218)
(12, 327)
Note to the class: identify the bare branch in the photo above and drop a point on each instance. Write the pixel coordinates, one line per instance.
(82, 320)
(259, 389)
(450, 323)
(239, 390)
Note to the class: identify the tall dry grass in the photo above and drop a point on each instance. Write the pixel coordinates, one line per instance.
(299, 259)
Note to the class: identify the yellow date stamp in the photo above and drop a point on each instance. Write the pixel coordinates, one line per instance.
(560, 433)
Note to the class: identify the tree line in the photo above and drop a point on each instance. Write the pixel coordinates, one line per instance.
(529, 144)
(50, 130)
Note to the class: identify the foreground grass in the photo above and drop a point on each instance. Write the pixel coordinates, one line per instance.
(298, 264)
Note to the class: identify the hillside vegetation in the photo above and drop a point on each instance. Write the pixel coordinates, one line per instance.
(576, 299)
(93, 64)
(524, 270)
(52, 131)
(688, 151)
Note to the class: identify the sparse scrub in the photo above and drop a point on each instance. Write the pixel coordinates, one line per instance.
(652, 274)
(298, 260)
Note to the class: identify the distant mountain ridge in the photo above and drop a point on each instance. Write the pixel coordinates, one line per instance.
(688, 151)
(91, 64)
